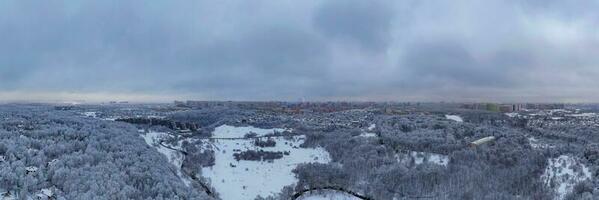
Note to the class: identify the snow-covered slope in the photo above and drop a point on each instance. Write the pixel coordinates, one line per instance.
(563, 173)
(174, 157)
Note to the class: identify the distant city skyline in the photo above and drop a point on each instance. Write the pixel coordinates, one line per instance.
(315, 50)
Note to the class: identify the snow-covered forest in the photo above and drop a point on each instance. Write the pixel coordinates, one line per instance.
(163, 151)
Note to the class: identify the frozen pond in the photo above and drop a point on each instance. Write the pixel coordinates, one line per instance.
(243, 179)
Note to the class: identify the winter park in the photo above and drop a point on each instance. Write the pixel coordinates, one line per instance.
(299, 100)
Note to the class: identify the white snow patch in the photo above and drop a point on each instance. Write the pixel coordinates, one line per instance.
(48, 192)
(551, 112)
(535, 143)
(371, 127)
(422, 157)
(366, 134)
(456, 118)
(31, 169)
(512, 115)
(7, 195)
(248, 179)
(226, 131)
(563, 173)
(90, 114)
(583, 115)
(44, 194)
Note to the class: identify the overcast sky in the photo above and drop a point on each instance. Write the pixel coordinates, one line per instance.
(535, 50)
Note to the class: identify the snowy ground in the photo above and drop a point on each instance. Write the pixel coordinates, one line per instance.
(46, 193)
(328, 195)
(239, 180)
(456, 118)
(367, 134)
(535, 143)
(583, 115)
(422, 157)
(226, 131)
(6, 195)
(90, 114)
(371, 127)
(563, 173)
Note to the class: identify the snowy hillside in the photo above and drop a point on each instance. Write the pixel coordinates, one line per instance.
(563, 173)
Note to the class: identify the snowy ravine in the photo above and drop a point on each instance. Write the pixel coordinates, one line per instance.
(174, 157)
(563, 173)
(239, 180)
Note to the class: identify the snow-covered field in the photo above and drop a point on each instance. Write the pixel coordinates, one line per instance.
(563, 173)
(456, 118)
(226, 131)
(239, 180)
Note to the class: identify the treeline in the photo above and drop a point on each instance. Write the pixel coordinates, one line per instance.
(265, 143)
(259, 155)
(174, 125)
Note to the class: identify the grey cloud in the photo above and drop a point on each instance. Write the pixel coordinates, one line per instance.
(264, 50)
(366, 23)
(448, 62)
